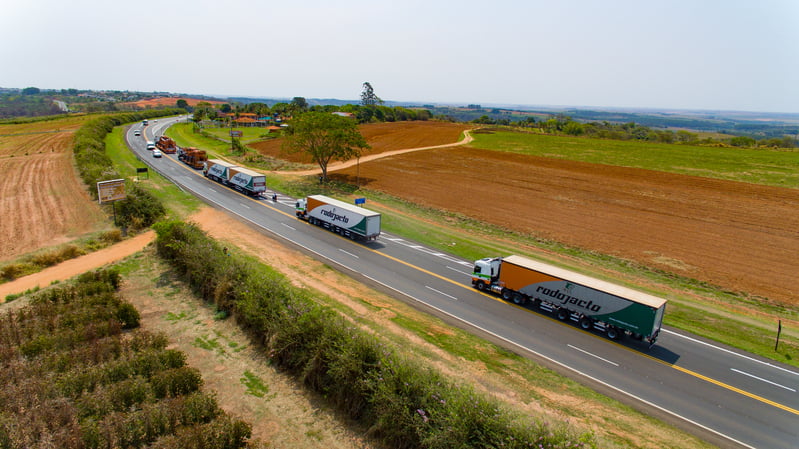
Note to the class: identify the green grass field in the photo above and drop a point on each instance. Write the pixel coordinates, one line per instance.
(184, 136)
(249, 134)
(179, 204)
(762, 166)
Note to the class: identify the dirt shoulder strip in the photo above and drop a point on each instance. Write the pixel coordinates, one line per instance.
(79, 265)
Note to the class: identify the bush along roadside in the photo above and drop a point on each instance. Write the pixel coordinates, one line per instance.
(140, 209)
(403, 403)
(78, 373)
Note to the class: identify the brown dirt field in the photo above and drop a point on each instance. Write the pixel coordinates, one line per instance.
(382, 137)
(167, 101)
(44, 203)
(742, 237)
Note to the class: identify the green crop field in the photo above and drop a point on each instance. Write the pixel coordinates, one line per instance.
(775, 167)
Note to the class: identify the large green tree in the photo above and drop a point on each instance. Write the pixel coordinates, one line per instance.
(325, 137)
(368, 96)
(299, 104)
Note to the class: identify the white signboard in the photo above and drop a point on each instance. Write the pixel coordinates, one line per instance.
(113, 190)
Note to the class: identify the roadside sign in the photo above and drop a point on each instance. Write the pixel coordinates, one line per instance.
(109, 191)
(236, 133)
(360, 200)
(140, 171)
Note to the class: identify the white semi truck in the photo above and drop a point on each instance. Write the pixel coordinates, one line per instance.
(343, 218)
(593, 303)
(242, 179)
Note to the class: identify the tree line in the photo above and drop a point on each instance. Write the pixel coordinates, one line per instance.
(565, 125)
(362, 113)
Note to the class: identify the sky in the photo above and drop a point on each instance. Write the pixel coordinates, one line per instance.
(678, 54)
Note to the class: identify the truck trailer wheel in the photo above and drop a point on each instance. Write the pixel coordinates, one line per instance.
(563, 314)
(519, 299)
(586, 323)
(507, 294)
(613, 333)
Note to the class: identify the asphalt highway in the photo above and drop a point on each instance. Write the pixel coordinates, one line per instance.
(724, 396)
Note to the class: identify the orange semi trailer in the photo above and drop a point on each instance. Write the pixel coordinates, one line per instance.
(593, 303)
(166, 145)
(193, 157)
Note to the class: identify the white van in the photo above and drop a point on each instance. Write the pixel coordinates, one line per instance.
(150, 145)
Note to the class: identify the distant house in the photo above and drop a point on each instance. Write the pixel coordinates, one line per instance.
(273, 129)
(246, 121)
(344, 114)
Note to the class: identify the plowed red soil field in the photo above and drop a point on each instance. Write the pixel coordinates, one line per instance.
(42, 200)
(382, 137)
(168, 101)
(742, 237)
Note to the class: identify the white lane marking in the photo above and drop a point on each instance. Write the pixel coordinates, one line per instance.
(592, 355)
(441, 293)
(763, 380)
(212, 189)
(731, 352)
(458, 271)
(244, 205)
(293, 229)
(475, 325)
(349, 253)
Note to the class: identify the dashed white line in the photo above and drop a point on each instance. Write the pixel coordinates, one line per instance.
(290, 227)
(458, 271)
(593, 355)
(441, 293)
(763, 380)
(349, 253)
(244, 205)
(730, 352)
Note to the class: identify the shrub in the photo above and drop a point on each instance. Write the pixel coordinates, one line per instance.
(78, 388)
(112, 236)
(401, 402)
(221, 433)
(176, 382)
(15, 270)
(94, 165)
(140, 209)
(198, 408)
(128, 316)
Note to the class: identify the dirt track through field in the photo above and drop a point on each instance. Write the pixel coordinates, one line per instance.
(742, 237)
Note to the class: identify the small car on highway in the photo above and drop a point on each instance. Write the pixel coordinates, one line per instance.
(156, 153)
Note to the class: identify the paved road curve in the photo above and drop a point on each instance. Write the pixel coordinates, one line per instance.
(727, 397)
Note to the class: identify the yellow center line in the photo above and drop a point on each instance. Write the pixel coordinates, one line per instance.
(678, 368)
(495, 298)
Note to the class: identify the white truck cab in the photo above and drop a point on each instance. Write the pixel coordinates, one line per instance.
(300, 207)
